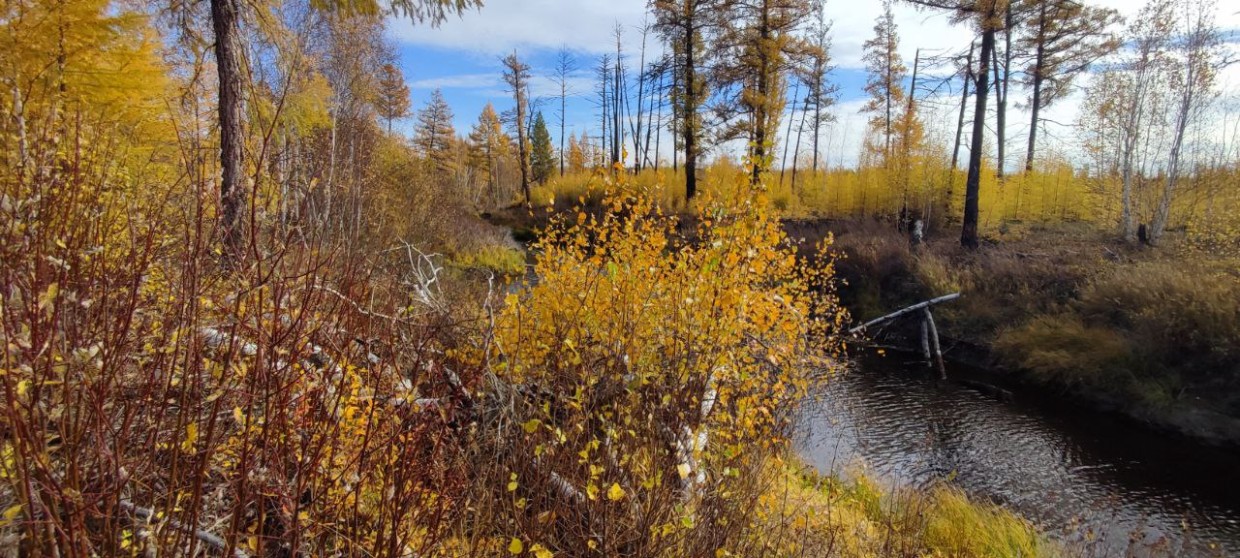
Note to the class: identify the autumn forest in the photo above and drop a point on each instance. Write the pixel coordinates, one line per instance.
(265, 290)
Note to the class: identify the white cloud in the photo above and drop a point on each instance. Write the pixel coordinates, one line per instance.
(586, 27)
(504, 25)
(461, 81)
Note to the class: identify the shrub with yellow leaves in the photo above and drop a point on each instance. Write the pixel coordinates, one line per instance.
(652, 368)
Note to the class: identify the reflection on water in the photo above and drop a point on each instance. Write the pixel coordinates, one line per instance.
(1069, 471)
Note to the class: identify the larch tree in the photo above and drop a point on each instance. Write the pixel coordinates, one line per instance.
(885, 84)
(433, 134)
(488, 145)
(684, 26)
(822, 92)
(517, 76)
(988, 18)
(758, 42)
(1001, 64)
(393, 97)
(1060, 39)
(576, 155)
(542, 154)
(226, 23)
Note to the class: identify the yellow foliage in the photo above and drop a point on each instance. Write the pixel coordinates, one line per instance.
(674, 359)
(805, 514)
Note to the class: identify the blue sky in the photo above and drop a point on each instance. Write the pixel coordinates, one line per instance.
(462, 58)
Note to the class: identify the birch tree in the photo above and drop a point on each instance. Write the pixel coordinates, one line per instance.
(1196, 55)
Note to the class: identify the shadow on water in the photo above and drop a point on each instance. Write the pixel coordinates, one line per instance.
(1079, 475)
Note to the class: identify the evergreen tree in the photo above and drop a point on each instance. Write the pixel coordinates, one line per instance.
(433, 134)
(542, 156)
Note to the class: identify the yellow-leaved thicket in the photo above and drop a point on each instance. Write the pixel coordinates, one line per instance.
(655, 365)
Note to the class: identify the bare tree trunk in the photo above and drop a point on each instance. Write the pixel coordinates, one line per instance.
(689, 116)
(1163, 213)
(1039, 69)
(783, 164)
(797, 151)
(906, 132)
(968, 233)
(654, 124)
(228, 65)
(964, 101)
(1001, 93)
(658, 134)
(641, 91)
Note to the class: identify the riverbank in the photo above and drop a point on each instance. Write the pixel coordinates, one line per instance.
(1151, 333)
(1095, 482)
(808, 513)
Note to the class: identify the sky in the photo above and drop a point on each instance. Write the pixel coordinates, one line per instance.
(461, 57)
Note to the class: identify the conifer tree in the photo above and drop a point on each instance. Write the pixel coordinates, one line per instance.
(757, 45)
(685, 25)
(517, 76)
(542, 154)
(433, 134)
(488, 145)
(822, 92)
(393, 96)
(1061, 38)
(576, 154)
(987, 17)
(885, 84)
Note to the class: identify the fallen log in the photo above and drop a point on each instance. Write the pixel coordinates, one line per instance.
(903, 311)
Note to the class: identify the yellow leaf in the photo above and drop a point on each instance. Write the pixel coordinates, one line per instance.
(515, 547)
(615, 492)
(49, 296)
(191, 436)
(11, 514)
(541, 552)
(683, 469)
(592, 491)
(531, 425)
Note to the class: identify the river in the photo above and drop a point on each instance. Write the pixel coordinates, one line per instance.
(1069, 471)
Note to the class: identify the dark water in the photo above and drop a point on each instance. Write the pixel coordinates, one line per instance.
(1073, 473)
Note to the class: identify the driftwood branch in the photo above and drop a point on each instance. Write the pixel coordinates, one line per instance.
(903, 311)
(210, 539)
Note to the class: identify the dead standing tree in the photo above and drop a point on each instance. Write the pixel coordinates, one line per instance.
(987, 17)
